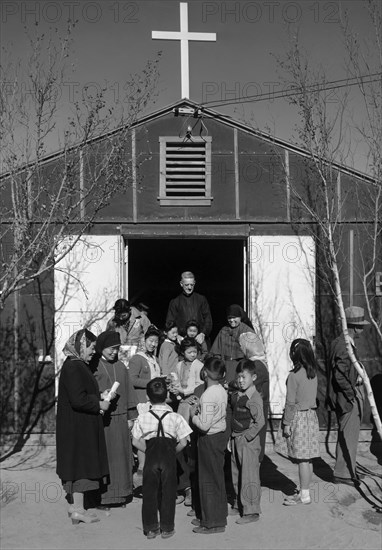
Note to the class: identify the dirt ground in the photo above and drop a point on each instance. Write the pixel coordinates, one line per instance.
(34, 512)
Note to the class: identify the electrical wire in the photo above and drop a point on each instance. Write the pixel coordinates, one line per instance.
(287, 93)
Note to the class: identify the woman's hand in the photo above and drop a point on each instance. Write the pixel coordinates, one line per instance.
(108, 395)
(104, 405)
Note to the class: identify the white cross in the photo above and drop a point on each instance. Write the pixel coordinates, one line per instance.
(184, 36)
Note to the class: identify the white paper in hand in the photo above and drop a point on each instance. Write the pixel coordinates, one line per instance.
(113, 389)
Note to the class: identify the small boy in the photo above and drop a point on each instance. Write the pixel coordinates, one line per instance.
(210, 418)
(192, 331)
(160, 433)
(247, 421)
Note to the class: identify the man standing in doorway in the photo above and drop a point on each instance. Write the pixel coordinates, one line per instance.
(190, 305)
(347, 397)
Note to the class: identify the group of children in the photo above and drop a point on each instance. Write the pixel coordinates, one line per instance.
(200, 421)
(192, 417)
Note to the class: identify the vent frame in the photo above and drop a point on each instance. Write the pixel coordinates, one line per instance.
(185, 171)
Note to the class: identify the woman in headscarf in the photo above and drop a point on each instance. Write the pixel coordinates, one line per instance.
(118, 420)
(80, 439)
(237, 341)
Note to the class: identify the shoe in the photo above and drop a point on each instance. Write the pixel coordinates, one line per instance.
(294, 500)
(188, 497)
(167, 534)
(103, 507)
(191, 513)
(196, 522)
(233, 511)
(345, 480)
(208, 531)
(250, 518)
(152, 534)
(82, 516)
(138, 478)
(90, 513)
(82, 511)
(179, 499)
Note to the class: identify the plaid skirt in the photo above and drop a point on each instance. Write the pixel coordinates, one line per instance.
(303, 443)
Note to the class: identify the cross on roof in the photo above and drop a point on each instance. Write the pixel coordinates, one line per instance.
(184, 36)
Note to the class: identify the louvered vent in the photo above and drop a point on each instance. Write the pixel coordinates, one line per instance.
(185, 171)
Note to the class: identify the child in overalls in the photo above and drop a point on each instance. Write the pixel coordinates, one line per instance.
(160, 434)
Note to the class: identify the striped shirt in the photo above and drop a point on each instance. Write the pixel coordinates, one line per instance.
(174, 425)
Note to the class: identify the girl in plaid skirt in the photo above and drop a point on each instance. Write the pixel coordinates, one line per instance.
(298, 436)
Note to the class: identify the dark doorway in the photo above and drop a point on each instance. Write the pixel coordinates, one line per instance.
(155, 266)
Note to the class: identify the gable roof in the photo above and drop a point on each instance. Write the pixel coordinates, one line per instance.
(197, 110)
(229, 121)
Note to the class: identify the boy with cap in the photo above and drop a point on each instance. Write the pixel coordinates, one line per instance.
(347, 398)
(160, 434)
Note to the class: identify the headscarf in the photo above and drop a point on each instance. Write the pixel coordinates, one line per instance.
(78, 342)
(252, 346)
(107, 339)
(234, 311)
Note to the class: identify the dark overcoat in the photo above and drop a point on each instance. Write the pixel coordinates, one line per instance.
(342, 377)
(80, 438)
(186, 308)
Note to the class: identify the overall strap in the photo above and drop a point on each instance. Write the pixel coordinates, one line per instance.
(160, 432)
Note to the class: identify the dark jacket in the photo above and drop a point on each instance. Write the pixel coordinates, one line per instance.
(342, 377)
(80, 439)
(186, 308)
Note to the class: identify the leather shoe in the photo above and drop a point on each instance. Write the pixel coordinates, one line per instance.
(82, 516)
(208, 531)
(196, 522)
(167, 534)
(188, 498)
(250, 518)
(152, 534)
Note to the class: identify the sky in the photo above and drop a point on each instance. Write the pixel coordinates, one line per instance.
(112, 40)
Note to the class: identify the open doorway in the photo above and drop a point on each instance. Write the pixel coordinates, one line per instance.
(155, 265)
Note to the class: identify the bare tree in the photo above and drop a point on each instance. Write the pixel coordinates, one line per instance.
(365, 59)
(46, 195)
(326, 140)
